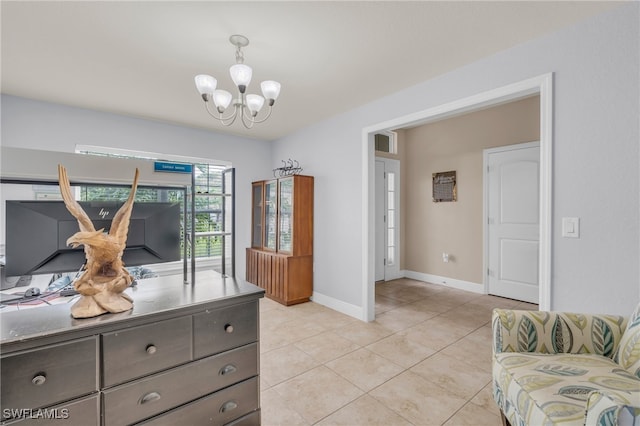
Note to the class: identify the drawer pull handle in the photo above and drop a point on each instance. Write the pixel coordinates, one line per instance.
(228, 406)
(150, 397)
(227, 369)
(228, 328)
(39, 379)
(151, 349)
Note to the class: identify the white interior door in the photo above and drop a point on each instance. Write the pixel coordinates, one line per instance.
(513, 221)
(387, 219)
(380, 242)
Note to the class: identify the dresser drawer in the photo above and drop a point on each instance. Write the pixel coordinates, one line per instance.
(138, 351)
(252, 419)
(155, 394)
(49, 375)
(217, 409)
(221, 329)
(82, 412)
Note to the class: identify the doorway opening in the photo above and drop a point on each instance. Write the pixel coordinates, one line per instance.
(542, 86)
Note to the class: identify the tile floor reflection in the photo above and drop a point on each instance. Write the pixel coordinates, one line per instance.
(425, 360)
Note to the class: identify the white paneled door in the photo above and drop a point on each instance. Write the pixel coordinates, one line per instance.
(513, 221)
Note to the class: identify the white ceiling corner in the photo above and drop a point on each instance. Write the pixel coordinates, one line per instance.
(139, 58)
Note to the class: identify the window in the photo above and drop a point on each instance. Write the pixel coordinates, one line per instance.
(391, 219)
(209, 210)
(210, 226)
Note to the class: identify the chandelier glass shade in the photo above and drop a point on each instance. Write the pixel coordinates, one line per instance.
(246, 106)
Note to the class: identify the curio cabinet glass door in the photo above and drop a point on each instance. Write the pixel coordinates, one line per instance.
(285, 201)
(256, 219)
(270, 215)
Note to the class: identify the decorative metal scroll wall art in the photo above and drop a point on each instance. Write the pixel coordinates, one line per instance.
(289, 168)
(444, 187)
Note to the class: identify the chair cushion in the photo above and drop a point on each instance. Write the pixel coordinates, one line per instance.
(542, 389)
(628, 354)
(556, 332)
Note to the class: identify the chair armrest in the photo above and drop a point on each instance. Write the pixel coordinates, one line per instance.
(613, 408)
(556, 332)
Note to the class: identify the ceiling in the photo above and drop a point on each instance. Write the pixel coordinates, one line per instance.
(140, 58)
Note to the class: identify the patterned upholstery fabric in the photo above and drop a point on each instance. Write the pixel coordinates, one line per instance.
(545, 389)
(556, 332)
(608, 408)
(550, 367)
(628, 354)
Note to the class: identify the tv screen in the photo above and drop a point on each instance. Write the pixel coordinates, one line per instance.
(37, 233)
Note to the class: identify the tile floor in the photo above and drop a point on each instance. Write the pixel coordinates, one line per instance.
(425, 360)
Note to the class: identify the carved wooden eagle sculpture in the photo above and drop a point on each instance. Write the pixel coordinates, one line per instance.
(104, 279)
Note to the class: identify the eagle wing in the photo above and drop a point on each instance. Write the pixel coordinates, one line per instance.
(120, 223)
(72, 205)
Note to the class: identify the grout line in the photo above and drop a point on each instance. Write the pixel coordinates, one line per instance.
(359, 346)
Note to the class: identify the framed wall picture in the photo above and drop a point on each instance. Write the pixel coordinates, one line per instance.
(444, 187)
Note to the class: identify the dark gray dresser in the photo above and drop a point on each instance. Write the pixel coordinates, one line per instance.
(185, 355)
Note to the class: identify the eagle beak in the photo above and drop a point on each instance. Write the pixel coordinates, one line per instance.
(87, 238)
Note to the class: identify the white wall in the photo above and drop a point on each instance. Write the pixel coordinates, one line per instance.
(40, 125)
(456, 228)
(596, 177)
(595, 170)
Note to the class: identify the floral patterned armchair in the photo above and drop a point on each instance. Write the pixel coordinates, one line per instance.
(556, 368)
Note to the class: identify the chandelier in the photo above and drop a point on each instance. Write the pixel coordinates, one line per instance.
(245, 106)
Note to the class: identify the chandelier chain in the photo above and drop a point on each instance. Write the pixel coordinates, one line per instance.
(239, 55)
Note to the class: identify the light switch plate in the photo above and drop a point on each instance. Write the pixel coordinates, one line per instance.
(571, 227)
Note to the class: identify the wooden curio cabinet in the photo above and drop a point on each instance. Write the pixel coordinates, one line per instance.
(280, 259)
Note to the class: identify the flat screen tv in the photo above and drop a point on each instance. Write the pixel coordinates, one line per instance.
(37, 233)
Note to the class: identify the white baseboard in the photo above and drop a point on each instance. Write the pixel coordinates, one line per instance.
(338, 305)
(357, 311)
(447, 282)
